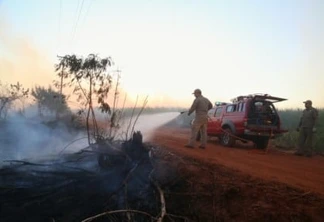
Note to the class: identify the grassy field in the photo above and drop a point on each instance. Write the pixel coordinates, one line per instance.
(290, 119)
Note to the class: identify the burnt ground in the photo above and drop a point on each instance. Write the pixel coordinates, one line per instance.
(156, 181)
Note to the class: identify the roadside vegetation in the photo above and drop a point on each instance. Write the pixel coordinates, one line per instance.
(290, 119)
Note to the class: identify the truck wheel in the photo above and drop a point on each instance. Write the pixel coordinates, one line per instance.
(261, 143)
(227, 139)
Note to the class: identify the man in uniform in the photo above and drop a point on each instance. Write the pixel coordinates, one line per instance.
(306, 129)
(200, 105)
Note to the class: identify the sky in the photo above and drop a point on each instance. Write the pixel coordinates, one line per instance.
(166, 49)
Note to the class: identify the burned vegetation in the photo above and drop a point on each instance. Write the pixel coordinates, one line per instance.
(107, 180)
(135, 181)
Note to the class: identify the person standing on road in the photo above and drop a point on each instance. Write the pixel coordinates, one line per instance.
(200, 106)
(306, 129)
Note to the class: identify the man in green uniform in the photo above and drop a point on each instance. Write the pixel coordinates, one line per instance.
(200, 106)
(306, 129)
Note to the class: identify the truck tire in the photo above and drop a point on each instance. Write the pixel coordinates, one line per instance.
(261, 143)
(227, 139)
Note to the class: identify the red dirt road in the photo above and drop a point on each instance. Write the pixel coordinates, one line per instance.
(301, 172)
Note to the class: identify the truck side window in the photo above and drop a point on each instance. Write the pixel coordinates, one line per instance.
(218, 111)
(229, 109)
(211, 112)
(240, 107)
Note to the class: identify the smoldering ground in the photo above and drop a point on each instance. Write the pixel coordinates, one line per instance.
(74, 187)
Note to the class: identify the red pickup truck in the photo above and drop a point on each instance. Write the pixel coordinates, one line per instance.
(248, 118)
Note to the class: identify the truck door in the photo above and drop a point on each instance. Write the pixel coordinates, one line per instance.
(218, 120)
(211, 116)
(214, 121)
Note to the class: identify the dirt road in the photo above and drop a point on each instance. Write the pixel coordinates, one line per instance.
(301, 172)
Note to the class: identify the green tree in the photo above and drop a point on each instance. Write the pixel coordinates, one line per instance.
(49, 100)
(91, 80)
(60, 68)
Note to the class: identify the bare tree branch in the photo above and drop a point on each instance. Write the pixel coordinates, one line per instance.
(131, 118)
(142, 108)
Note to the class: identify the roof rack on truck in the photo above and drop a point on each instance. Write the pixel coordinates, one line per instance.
(257, 96)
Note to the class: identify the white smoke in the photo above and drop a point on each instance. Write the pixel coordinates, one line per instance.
(22, 138)
(145, 123)
(149, 122)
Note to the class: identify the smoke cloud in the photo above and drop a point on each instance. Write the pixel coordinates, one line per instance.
(149, 122)
(22, 138)
(29, 138)
(21, 61)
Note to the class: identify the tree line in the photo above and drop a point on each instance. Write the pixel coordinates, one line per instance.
(90, 79)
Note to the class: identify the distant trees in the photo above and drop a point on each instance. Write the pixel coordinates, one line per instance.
(48, 100)
(10, 94)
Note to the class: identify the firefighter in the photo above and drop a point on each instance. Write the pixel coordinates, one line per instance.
(200, 106)
(306, 129)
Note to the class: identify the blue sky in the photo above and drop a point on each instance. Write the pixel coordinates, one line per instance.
(166, 49)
